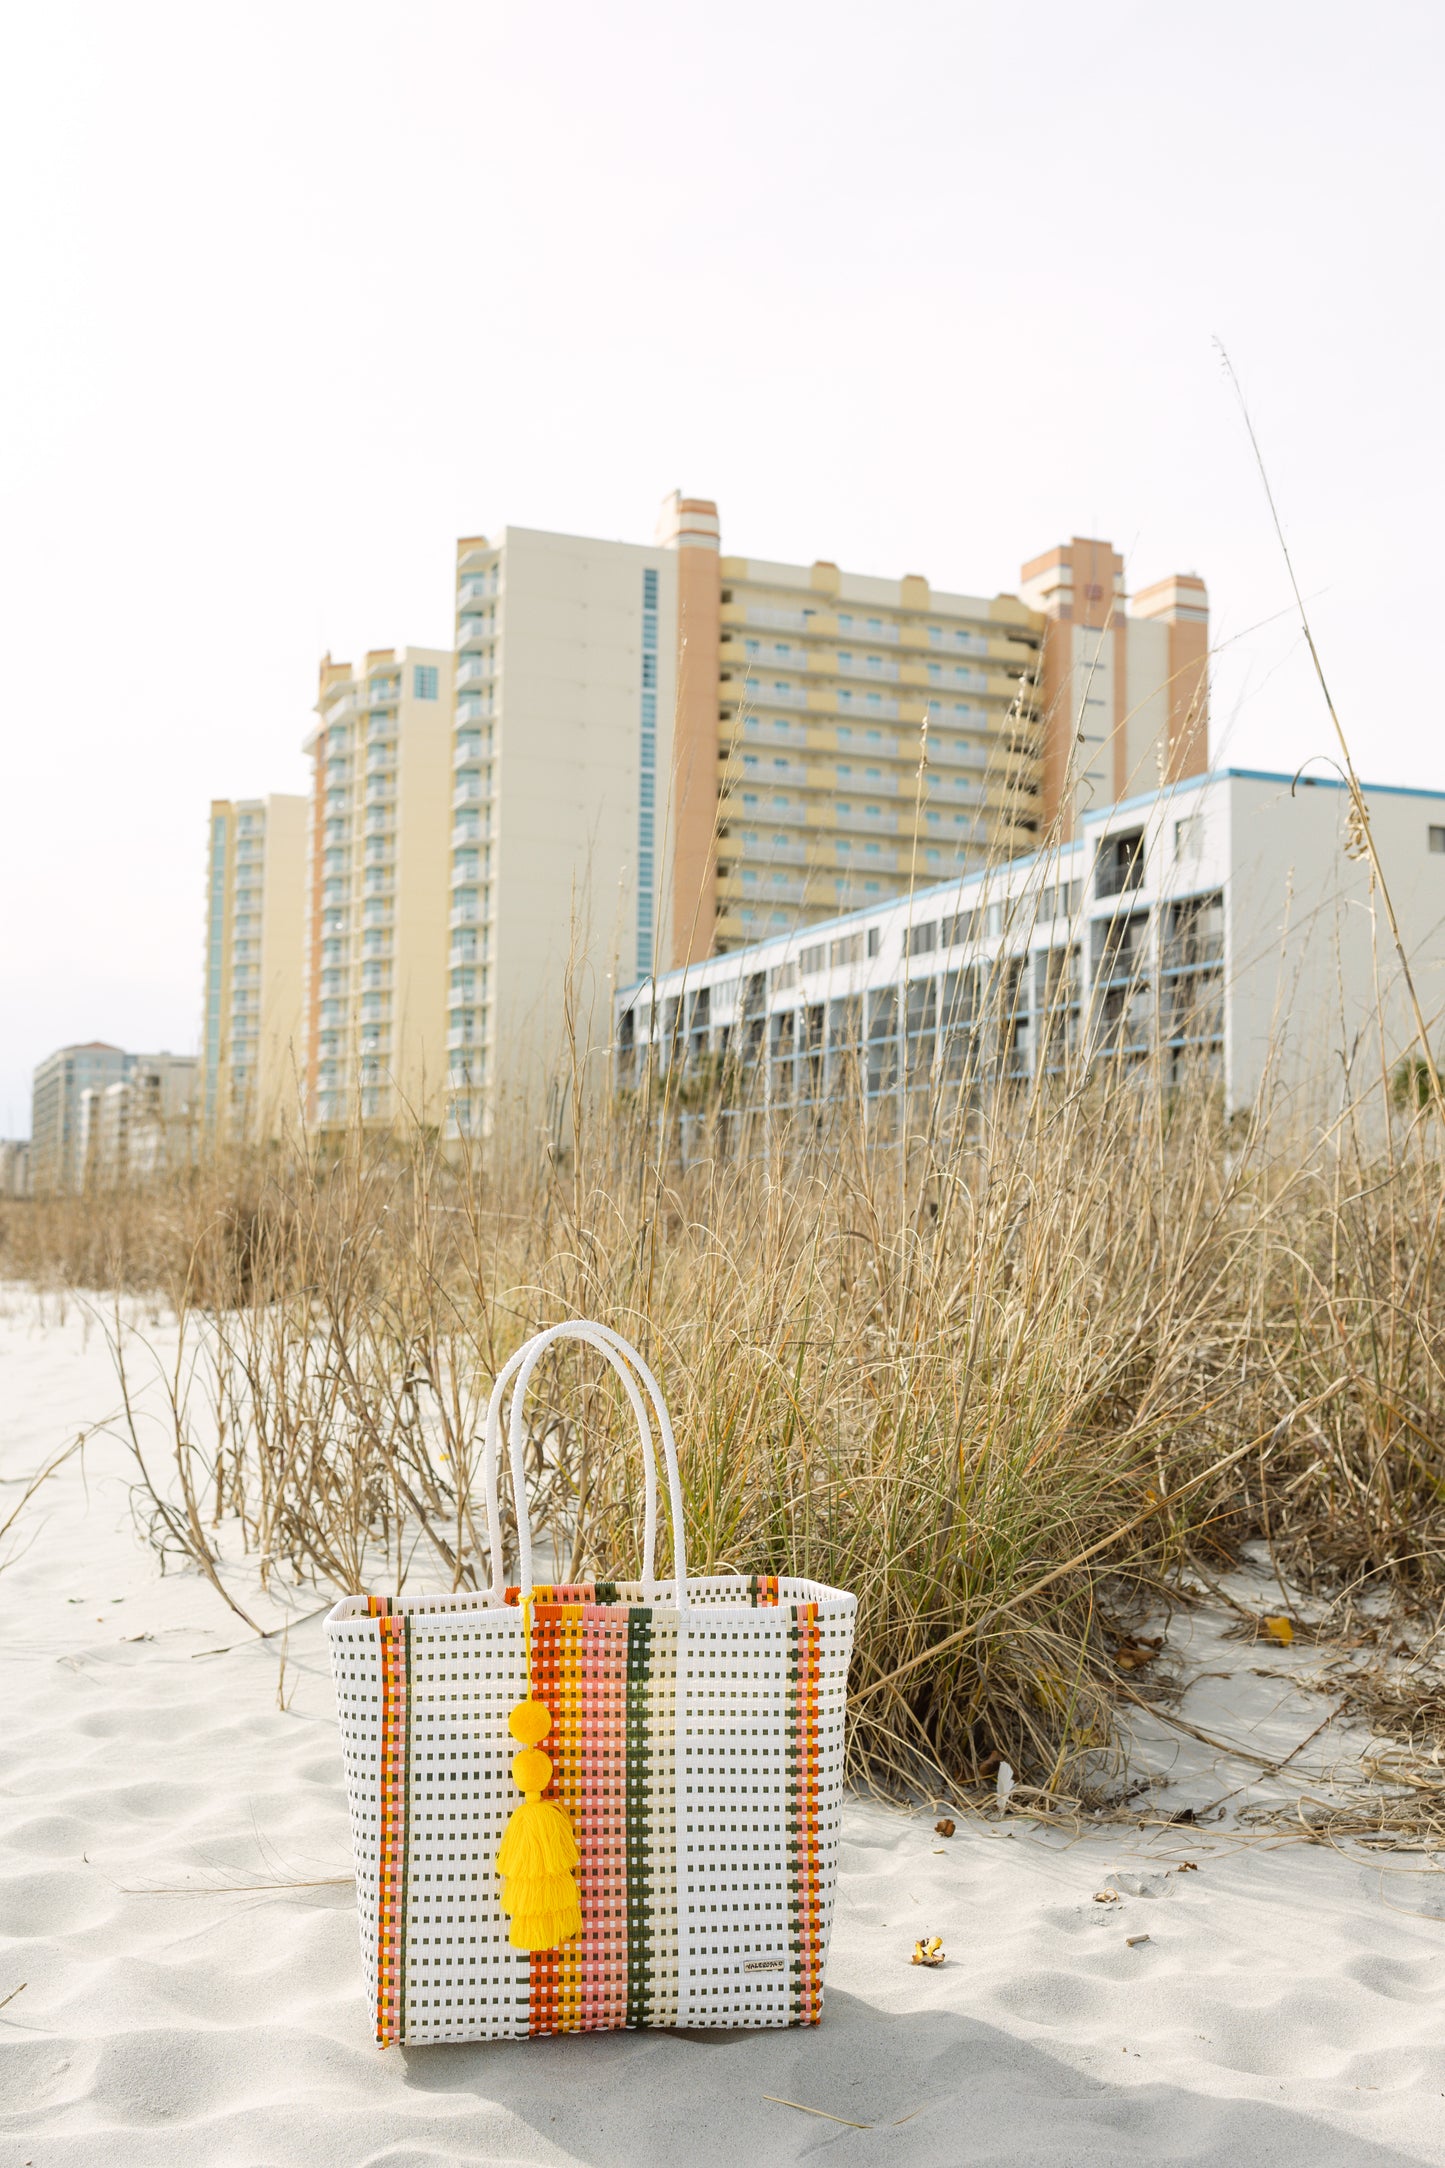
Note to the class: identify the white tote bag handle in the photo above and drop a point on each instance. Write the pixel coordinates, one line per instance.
(619, 1353)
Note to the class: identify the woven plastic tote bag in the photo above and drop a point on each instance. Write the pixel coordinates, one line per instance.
(695, 1749)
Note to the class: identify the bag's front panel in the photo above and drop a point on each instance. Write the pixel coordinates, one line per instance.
(704, 1901)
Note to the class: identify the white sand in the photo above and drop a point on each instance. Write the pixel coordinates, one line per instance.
(1285, 2008)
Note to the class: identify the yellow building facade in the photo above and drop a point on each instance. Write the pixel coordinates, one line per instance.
(376, 900)
(251, 1038)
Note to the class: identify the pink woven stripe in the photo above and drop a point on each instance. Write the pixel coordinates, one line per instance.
(602, 1836)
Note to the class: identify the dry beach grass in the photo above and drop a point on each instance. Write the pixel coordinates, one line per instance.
(1004, 1361)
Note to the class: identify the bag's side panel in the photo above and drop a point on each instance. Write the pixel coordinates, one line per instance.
(805, 1880)
(356, 1670)
(462, 1978)
(833, 1652)
(737, 1840)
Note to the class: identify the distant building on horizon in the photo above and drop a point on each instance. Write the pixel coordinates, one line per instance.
(60, 1082)
(14, 1167)
(252, 1050)
(144, 1122)
(99, 1113)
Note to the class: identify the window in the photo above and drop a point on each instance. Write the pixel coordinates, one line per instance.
(1188, 836)
(872, 938)
(649, 590)
(918, 940)
(424, 681)
(753, 647)
(1437, 841)
(1119, 864)
(649, 670)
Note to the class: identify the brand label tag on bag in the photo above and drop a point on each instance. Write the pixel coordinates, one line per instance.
(765, 1964)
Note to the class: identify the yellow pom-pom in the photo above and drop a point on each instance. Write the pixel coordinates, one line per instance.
(531, 1771)
(530, 1722)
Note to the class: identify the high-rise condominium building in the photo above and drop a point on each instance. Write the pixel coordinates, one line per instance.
(376, 906)
(562, 855)
(251, 1048)
(57, 1094)
(666, 751)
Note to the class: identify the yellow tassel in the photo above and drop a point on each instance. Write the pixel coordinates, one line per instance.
(538, 1850)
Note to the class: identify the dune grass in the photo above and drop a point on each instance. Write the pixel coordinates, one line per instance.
(999, 1365)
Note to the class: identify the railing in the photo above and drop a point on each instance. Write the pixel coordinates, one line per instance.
(1193, 951)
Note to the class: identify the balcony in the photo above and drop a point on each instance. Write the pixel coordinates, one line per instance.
(467, 911)
(946, 752)
(777, 620)
(474, 590)
(854, 668)
(471, 671)
(469, 833)
(469, 950)
(474, 632)
(863, 708)
(468, 752)
(471, 790)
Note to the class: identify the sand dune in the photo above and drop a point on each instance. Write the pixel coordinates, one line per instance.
(179, 2007)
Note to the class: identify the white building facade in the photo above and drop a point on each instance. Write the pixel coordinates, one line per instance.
(1227, 922)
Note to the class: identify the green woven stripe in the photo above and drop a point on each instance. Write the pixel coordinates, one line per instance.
(638, 1816)
(605, 1592)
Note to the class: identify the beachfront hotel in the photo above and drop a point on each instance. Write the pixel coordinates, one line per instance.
(57, 1094)
(374, 958)
(565, 776)
(664, 752)
(255, 915)
(1224, 921)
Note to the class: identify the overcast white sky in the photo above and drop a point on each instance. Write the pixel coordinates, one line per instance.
(296, 293)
